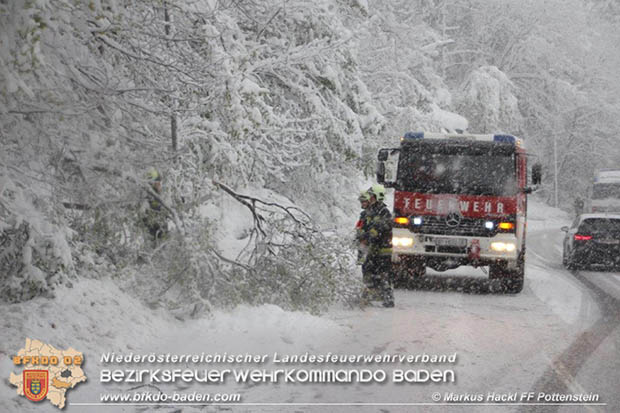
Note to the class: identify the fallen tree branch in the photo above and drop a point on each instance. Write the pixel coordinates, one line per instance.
(258, 218)
(238, 264)
(252, 206)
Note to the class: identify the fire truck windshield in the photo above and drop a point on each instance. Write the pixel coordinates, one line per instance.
(456, 172)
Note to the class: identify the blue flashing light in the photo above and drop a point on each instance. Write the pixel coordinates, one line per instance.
(504, 139)
(414, 135)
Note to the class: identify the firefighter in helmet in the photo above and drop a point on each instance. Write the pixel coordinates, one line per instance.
(377, 234)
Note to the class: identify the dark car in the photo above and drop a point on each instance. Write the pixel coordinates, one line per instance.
(592, 239)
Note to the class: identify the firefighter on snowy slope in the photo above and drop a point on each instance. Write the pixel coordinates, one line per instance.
(154, 215)
(362, 246)
(377, 234)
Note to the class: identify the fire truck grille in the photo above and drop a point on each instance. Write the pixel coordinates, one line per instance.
(439, 225)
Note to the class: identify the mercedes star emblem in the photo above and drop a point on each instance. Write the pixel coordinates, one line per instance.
(453, 220)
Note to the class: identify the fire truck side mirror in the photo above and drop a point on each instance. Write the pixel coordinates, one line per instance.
(383, 155)
(536, 174)
(381, 172)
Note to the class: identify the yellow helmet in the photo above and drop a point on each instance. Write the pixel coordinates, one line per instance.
(378, 191)
(153, 175)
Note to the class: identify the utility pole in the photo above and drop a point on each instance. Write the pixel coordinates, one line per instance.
(443, 39)
(173, 116)
(555, 168)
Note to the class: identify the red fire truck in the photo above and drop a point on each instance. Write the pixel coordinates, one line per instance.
(460, 199)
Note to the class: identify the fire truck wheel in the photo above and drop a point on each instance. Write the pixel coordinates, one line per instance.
(515, 278)
(514, 283)
(496, 272)
(512, 280)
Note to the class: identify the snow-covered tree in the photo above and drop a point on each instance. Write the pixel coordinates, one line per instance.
(213, 94)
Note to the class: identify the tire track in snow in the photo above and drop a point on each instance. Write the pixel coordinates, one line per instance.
(560, 376)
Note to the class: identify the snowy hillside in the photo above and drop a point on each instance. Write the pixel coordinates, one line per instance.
(98, 317)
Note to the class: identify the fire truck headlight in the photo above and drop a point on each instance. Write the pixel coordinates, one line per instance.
(402, 241)
(417, 221)
(503, 246)
(489, 224)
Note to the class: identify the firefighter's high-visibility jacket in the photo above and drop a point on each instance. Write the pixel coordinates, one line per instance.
(378, 230)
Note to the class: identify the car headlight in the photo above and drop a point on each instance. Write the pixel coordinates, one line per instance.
(503, 246)
(402, 241)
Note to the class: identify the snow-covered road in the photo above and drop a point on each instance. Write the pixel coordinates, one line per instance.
(561, 335)
(554, 337)
(589, 362)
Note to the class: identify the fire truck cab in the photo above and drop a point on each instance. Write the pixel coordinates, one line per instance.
(459, 199)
